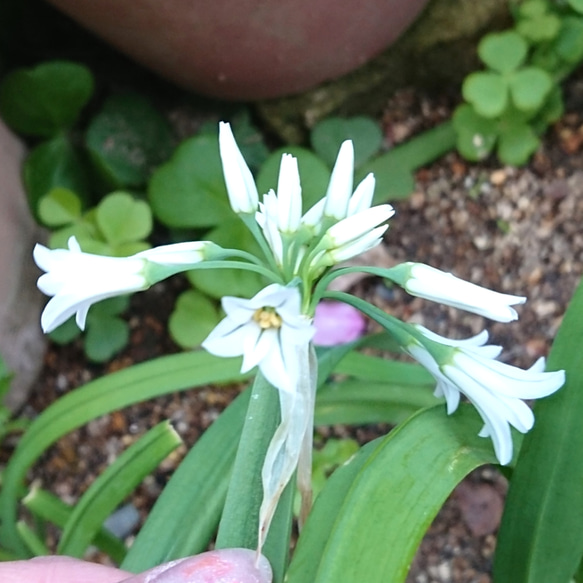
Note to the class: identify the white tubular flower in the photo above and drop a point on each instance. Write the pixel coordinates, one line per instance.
(241, 187)
(76, 280)
(363, 195)
(289, 195)
(436, 285)
(267, 331)
(494, 388)
(340, 186)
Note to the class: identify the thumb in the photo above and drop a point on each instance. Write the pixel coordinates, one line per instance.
(220, 566)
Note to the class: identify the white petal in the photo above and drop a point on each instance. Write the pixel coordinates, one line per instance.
(241, 187)
(289, 195)
(340, 186)
(363, 195)
(354, 227)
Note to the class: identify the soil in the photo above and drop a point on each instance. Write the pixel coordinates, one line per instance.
(513, 230)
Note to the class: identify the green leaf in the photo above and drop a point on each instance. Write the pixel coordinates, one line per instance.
(189, 191)
(354, 402)
(60, 206)
(111, 306)
(576, 5)
(115, 391)
(123, 219)
(328, 135)
(386, 498)
(192, 320)
(314, 174)
(540, 29)
(529, 88)
(186, 515)
(127, 140)
(219, 282)
(393, 170)
(50, 165)
(517, 143)
(66, 332)
(503, 51)
(249, 139)
(105, 337)
(476, 135)
(46, 99)
(540, 538)
(238, 526)
(487, 92)
(47, 506)
(82, 231)
(113, 485)
(569, 43)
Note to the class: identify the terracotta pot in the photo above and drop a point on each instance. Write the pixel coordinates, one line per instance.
(247, 49)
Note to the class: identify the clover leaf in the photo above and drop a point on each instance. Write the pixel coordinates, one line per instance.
(328, 135)
(127, 140)
(46, 99)
(193, 319)
(503, 51)
(487, 92)
(529, 88)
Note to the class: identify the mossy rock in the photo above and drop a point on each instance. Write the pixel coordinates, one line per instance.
(437, 51)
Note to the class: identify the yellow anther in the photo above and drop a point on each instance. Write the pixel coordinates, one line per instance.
(267, 318)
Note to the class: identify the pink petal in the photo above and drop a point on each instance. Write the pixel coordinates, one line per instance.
(337, 323)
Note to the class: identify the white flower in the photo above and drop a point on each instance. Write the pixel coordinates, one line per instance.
(494, 388)
(76, 280)
(267, 331)
(241, 187)
(340, 185)
(433, 284)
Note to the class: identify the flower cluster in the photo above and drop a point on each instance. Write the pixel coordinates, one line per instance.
(274, 330)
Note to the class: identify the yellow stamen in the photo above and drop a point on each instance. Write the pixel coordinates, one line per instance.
(267, 318)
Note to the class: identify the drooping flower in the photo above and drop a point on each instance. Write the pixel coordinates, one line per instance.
(76, 280)
(496, 389)
(433, 284)
(241, 186)
(266, 330)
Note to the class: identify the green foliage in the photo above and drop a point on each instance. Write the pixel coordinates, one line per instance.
(47, 99)
(514, 100)
(106, 334)
(193, 318)
(127, 139)
(189, 190)
(328, 135)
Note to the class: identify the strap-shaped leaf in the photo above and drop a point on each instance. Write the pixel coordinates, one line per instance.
(541, 538)
(138, 383)
(113, 485)
(369, 519)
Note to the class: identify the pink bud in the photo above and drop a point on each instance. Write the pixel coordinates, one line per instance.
(337, 323)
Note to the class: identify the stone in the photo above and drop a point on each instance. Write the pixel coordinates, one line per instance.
(22, 343)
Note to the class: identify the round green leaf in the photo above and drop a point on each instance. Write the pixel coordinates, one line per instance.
(127, 140)
(81, 230)
(569, 43)
(532, 8)
(111, 306)
(542, 28)
(234, 282)
(66, 332)
(249, 139)
(193, 319)
(52, 164)
(106, 336)
(45, 99)
(476, 135)
(503, 51)
(487, 92)
(529, 88)
(189, 191)
(328, 135)
(314, 174)
(553, 108)
(517, 143)
(123, 219)
(60, 206)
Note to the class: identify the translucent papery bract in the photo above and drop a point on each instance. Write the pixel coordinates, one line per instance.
(288, 442)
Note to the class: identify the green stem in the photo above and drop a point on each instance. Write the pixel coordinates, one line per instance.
(239, 524)
(269, 274)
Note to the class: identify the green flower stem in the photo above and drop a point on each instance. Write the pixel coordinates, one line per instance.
(240, 520)
(403, 333)
(320, 288)
(270, 275)
(251, 224)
